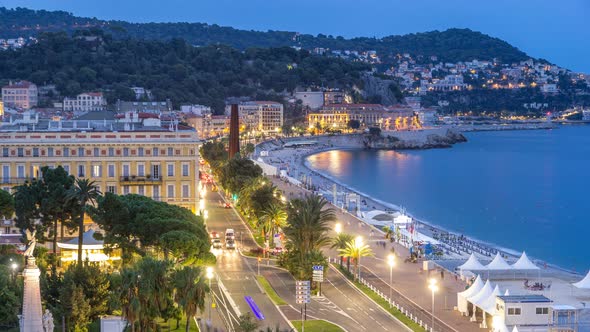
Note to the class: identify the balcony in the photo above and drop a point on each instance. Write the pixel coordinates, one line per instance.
(14, 181)
(139, 180)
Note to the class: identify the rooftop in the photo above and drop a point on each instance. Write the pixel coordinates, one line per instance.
(19, 85)
(524, 299)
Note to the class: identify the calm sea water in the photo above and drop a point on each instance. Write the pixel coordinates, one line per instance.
(522, 190)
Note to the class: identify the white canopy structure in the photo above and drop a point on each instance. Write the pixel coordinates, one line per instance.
(524, 263)
(476, 299)
(489, 304)
(472, 264)
(507, 292)
(515, 329)
(584, 283)
(472, 290)
(89, 242)
(498, 263)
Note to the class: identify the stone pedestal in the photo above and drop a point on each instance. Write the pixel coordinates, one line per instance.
(32, 316)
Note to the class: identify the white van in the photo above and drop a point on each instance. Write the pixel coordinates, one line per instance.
(229, 234)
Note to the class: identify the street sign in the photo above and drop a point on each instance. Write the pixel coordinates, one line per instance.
(318, 273)
(302, 291)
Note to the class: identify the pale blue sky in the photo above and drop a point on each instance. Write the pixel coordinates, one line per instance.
(558, 31)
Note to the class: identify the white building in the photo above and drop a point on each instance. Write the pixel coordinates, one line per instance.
(586, 115)
(21, 94)
(311, 99)
(85, 102)
(195, 109)
(549, 88)
(261, 116)
(141, 93)
(527, 312)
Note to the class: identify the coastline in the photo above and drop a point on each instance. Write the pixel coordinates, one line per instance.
(325, 183)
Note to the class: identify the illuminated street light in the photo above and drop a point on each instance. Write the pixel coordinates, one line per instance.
(338, 228)
(434, 288)
(391, 263)
(209, 276)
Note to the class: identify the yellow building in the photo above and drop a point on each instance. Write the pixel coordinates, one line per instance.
(137, 153)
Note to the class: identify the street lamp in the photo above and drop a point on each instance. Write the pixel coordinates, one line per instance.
(358, 243)
(338, 228)
(391, 263)
(434, 288)
(209, 276)
(13, 266)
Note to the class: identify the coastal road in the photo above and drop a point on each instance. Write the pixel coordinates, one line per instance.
(340, 303)
(237, 275)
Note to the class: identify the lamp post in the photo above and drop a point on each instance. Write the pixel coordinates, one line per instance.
(209, 276)
(358, 243)
(14, 266)
(338, 228)
(391, 263)
(434, 288)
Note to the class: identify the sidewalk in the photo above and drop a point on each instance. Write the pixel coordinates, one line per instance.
(407, 280)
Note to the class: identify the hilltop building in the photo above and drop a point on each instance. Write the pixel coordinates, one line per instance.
(21, 94)
(85, 102)
(261, 116)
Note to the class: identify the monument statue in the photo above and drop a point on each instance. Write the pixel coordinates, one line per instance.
(32, 241)
(48, 325)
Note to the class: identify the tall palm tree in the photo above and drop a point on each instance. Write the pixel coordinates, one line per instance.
(339, 242)
(308, 224)
(190, 291)
(273, 218)
(84, 192)
(129, 296)
(355, 249)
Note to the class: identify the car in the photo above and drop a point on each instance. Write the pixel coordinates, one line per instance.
(230, 244)
(214, 235)
(229, 234)
(227, 205)
(216, 243)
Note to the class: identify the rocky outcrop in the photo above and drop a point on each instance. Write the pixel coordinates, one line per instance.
(432, 141)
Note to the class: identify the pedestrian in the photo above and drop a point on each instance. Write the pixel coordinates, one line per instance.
(442, 274)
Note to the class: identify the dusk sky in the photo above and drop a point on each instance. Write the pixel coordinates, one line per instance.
(555, 30)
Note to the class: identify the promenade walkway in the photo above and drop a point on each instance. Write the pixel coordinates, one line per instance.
(410, 284)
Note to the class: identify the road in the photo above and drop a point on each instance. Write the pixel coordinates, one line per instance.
(237, 275)
(341, 303)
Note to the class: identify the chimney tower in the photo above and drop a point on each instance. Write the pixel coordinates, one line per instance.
(234, 131)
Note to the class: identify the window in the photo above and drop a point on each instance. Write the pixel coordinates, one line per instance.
(66, 152)
(66, 168)
(20, 171)
(542, 311)
(141, 190)
(125, 190)
(185, 191)
(111, 170)
(140, 152)
(170, 169)
(185, 170)
(170, 191)
(125, 152)
(155, 152)
(50, 152)
(96, 152)
(96, 171)
(35, 152)
(156, 193)
(112, 189)
(20, 152)
(170, 151)
(156, 171)
(125, 170)
(5, 173)
(80, 152)
(5, 152)
(81, 171)
(140, 170)
(514, 311)
(111, 152)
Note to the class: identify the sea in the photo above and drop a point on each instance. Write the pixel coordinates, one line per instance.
(520, 190)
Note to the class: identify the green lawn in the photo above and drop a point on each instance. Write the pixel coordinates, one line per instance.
(383, 303)
(316, 326)
(181, 327)
(270, 292)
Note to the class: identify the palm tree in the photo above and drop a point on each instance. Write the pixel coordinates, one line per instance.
(339, 242)
(355, 249)
(129, 296)
(83, 192)
(190, 291)
(273, 218)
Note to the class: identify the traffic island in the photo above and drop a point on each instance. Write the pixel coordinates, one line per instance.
(317, 326)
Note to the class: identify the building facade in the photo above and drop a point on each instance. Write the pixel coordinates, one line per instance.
(148, 157)
(337, 117)
(261, 116)
(208, 125)
(85, 102)
(22, 94)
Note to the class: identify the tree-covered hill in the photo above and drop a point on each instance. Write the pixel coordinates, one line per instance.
(172, 69)
(450, 45)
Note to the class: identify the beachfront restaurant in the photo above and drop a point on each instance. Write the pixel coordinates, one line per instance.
(93, 250)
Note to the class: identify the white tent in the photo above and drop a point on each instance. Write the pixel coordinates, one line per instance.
(489, 304)
(483, 294)
(507, 292)
(472, 290)
(584, 283)
(471, 264)
(515, 329)
(500, 327)
(524, 263)
(498, 263)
